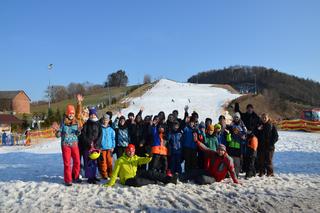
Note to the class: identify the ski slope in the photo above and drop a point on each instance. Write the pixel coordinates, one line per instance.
(168, 95)
(31, 178)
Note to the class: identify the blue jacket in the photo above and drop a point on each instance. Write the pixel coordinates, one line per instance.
(175, 142)
(122, 134)
(187, 138)
(108, 138)
(155, 136)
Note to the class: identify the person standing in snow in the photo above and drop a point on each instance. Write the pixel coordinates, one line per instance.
(224, 131)
(175, 149)
(159, 148)
(107, 146)
(249, 118)
(268, 136)
(236, 141)
(69, 131)
(91, 135)
(201, 134)
(189, 146)
(126, 168)
(211, 141)
(122, 135)
(251, 155)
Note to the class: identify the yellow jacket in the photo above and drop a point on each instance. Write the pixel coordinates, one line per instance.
(126, 167)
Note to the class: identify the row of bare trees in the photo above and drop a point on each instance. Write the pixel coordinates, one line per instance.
(117, 79)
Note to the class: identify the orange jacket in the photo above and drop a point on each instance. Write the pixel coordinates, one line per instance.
(160, 149)
(253, 143)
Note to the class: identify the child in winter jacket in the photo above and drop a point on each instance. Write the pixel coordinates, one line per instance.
(91, 136)
(236, 141)
(189, 146)
(126, 168)
(211, 141)
(107, 147)
(159, 148)
(251, 155)
(175, 148)
(69, 131)
(201, 133)
(122, 135)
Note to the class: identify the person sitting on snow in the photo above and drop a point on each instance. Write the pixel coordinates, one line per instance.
(126, 168)
(221, 164)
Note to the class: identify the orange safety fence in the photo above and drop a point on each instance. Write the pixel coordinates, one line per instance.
(14, 139)
(46, 133)
(300, 125)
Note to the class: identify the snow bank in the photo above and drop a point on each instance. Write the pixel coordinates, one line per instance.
(31, 178)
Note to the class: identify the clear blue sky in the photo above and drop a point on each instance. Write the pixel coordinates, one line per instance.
(87, 40)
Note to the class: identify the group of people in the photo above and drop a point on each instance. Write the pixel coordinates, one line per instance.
(152, 149)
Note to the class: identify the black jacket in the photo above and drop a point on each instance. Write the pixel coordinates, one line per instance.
(267, 137)
(251, 121)
(91, 133)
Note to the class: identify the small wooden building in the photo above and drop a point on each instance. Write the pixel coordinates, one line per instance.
(6, 121)
(14, 101)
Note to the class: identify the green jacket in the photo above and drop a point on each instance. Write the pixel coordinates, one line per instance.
(126, 168)
(211, 141)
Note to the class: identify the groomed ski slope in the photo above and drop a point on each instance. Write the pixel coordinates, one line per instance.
(168, 95)
(31, 178)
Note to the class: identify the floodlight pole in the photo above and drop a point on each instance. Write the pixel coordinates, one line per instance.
(50, 66)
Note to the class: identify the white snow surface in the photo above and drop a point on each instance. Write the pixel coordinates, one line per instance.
(168, 95)
(31, 180)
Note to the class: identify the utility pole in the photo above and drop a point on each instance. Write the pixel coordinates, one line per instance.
(50, 66)
(255, 83)
(109, 102)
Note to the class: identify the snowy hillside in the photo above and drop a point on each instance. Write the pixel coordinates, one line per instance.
(168, 95)
(31, 178)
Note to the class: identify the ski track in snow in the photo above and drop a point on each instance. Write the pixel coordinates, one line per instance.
(31, 180)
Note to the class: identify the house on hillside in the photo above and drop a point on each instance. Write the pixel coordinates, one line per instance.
(6, 121)
(14, 101)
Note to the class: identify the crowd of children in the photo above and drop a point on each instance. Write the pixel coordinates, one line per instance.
(153, 149)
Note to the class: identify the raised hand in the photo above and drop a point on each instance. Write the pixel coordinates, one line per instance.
(79, 98)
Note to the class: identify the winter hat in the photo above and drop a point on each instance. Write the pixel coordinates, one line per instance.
(202, 125)
(106, 117)
(211, 127)
(222, 117)
(93, 111)
(237, 115)
(109, 113)
(222, 147)
(70, 109)
(217, 126)
(130, 147)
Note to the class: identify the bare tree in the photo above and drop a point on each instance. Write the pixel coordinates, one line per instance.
(75, 88)
(147, 79)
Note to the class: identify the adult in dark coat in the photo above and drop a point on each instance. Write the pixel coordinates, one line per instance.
(267, 136)
(249, 118)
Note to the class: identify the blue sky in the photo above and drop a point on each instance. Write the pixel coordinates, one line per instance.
(87, 40)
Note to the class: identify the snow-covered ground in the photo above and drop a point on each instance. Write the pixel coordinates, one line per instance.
(31, 180)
